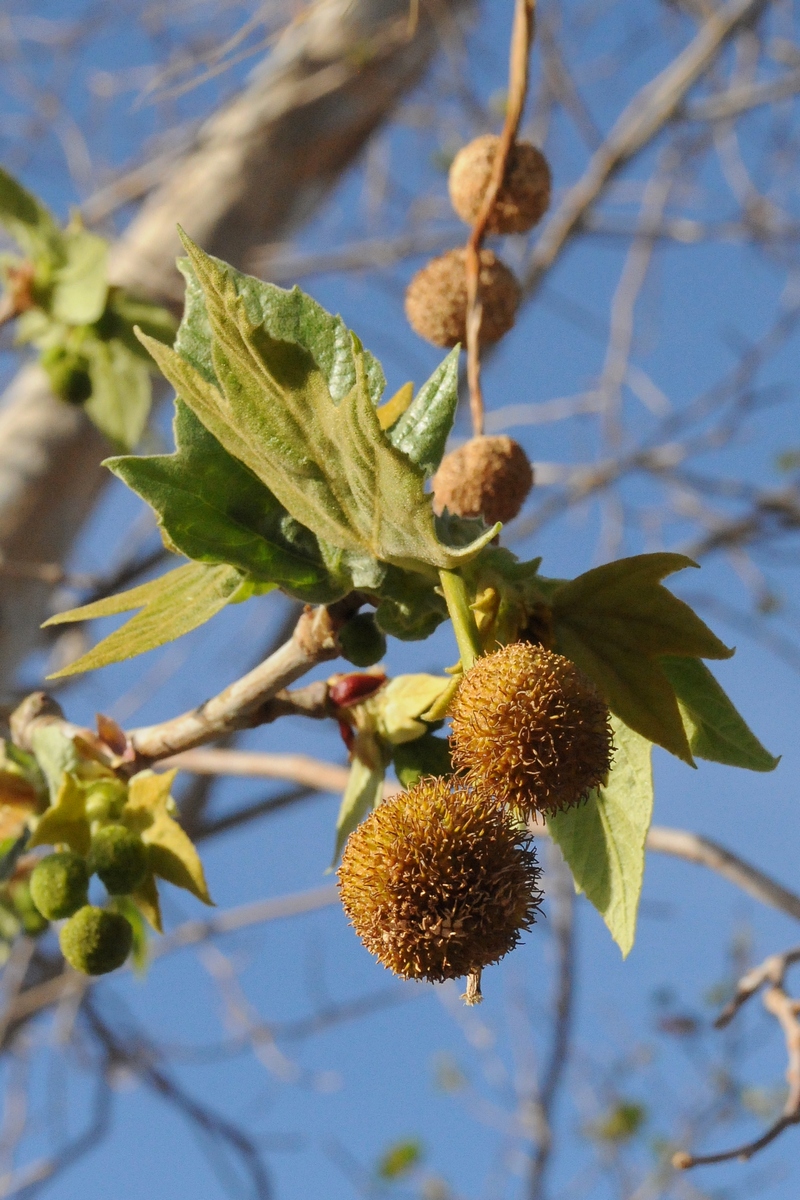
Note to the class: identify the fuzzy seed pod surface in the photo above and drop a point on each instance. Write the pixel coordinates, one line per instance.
(487, 476)
(96, 941)
(531, 728)
(436, 299)
(59, 884)
(119, 858)
(524, 196)
(438, 882)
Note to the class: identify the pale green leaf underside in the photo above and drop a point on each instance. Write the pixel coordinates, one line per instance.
(328, 462)
(604, 840)
(172, 605)
(616, 622)
(363, 791)
(715, 729)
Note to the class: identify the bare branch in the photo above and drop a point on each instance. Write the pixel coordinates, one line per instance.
(786, 1010)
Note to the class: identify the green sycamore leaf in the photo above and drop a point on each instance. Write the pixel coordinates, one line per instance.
(319, 448)
(80, 283)
(428, 755)
(422, 431)
(65, 820)
(616, 622)
(715, 729)
(121, 391)
(603, 840)
(171, 605)
(170, 850)
(213, 509)
(394, 711)
(31, 225)
(364, 788)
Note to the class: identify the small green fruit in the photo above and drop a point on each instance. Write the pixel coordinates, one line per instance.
(96, 941)
(106, 800)
(33, 923)
(68, 373)
(119, 858)
(59, 884)
(361, 641)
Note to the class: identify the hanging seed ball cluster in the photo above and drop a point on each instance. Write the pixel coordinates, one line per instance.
(531, 728)
(524, 196)
(93, 940)
(488, 476)
(438, 882)
(436, 298)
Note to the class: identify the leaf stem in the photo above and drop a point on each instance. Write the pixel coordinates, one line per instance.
(464, 627)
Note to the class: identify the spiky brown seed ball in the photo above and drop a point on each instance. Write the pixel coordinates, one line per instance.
(524, 196)
(436, 299)
(531, 728)
(438, 882)
(487, 476)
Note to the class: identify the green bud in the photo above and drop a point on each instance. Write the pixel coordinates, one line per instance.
(96, 941)
(59, 884)
(33, 923)
(361, 641)
(68, 373)
(106, 800)
(119, 858)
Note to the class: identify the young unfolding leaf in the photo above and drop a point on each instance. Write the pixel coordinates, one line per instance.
(65, 821)
(31, 225)
(616, 622)
(170, 850)
(396, 708)
(422, 431)
(320, 450)
(715, 729)
(171, 605)
(603, 840)
(213, 509)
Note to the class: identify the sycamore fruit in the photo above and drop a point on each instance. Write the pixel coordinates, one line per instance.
(118, 857)
(487, 476)
(95, 940)
(436, 299)
(59, 884)
(524, 195)
(531, 728)
(439, 882)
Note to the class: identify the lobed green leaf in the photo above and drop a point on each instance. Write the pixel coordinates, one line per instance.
(172, 605)
(603, 840)
(715, 730)
(616, 622)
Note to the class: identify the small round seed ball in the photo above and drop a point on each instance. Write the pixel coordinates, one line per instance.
(119, 858)
(531, 728)
(436, 299)
(438, 882)
(524, 196)
(32, 921)
(106, 799)
(361, 641)
(59, 884)
(96, 941)
(487, 476)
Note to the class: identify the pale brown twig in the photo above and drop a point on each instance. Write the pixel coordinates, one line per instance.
(521, 39)
(786, 1011)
